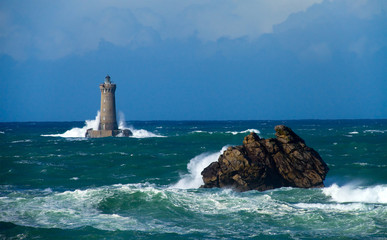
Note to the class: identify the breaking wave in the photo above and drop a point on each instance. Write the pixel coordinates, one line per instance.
(334, 207)
(195, 166)
(148, 208)
(78, 132)
(353, 193)
(245, 131)
(137, 133)
(229, 132)
(81, 132)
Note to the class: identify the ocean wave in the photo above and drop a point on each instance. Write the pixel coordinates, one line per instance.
(354, 193)
(78, 132)
(245, 131)
(81, 132)
(122, 207)
(201, 131)
(195, 166)
(137, 133)
(229, 132)
(149, 208)
(22, 141)
(142, 133)
(368, 164)
(104, 208)
(374, 131)
(335, 207)
(354, 132)
(67, 210)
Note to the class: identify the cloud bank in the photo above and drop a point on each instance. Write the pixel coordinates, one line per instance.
(55, 29)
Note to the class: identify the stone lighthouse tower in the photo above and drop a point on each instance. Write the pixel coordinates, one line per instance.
(108, 119)
(108, 122)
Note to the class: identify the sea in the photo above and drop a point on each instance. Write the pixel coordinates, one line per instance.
(56, 184)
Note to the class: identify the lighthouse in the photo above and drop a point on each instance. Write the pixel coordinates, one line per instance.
(108, 121)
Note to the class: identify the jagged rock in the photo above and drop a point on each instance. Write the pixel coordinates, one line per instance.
(263, 164)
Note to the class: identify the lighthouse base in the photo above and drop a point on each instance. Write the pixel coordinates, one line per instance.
(90, 133)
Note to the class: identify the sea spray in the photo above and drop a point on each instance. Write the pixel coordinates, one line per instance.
(78, 132)
(81, 132)
(245, 131)
(354, 193)
(121, 121)
(137, 133)
(195, 167)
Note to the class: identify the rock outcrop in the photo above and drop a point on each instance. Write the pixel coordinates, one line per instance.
(263, 164)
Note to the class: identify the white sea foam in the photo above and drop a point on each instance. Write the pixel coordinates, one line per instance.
(195, 166)
(81, 132)
(335, 207)
(354, 132)
(67, 210)
(137, 133)
(1, 132)
(78, 132)
(201, 131)
(142, 133)
(354, 193)
(361, 163)
(86, 208)
(22, 141)
(245, 131)
(374, 131)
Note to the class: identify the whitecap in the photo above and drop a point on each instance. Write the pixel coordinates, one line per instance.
(335, 207)
(201, 131)
(137, 133)
(142, 133)
(354, 132)
(361, 163)
(354, 193)
(198, 131)
(22, 141)
(374, 131)
(78, 132)
(245, 131)
(67, 210)
(1, 132)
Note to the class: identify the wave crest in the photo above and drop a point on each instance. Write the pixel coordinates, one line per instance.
(195, 167)
(78, 132)
(245, 131)
(137, 133)
(353, 193)
(81, 132)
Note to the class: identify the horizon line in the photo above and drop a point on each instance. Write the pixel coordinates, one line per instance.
(224, 120)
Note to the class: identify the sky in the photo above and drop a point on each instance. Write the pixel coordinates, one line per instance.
(194, 59)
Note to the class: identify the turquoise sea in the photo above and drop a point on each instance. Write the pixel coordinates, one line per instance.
(55, 184)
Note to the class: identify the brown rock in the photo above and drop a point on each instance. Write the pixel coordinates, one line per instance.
(263, 164)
